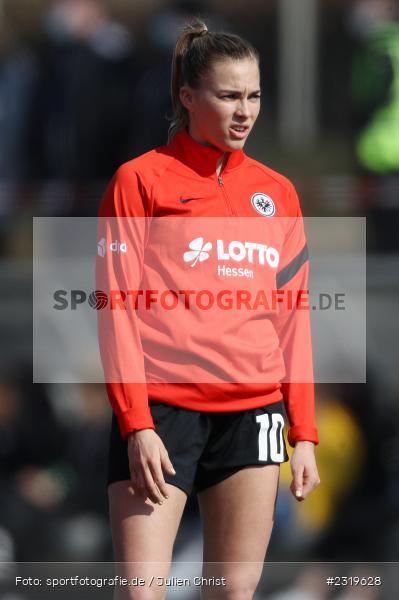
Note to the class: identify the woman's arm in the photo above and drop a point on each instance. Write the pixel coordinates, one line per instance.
(122, 231)
(294, 330)
(121, 242)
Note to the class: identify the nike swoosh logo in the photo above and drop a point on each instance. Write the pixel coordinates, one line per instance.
(185, 200)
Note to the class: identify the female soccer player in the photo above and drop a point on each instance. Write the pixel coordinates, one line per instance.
(198, 365)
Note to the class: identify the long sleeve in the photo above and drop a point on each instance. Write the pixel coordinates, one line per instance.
(122, 230)
(294, 330)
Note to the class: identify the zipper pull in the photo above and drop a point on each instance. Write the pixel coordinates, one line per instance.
(220, 180)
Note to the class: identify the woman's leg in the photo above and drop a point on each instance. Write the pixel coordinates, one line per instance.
(237, 516)
(143, 533)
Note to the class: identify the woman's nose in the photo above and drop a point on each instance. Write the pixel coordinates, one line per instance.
(242, 108)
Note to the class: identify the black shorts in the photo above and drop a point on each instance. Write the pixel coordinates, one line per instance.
(207, 447)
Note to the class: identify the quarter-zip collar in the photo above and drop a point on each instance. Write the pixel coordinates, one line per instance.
(202, 159)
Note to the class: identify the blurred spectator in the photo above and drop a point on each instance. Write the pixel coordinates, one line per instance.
(374, 27)
(300, 527)
(18, 79)
(87, 429)
(84, 107)
(31, 449)
(83, 532)
(53, 470)
(376, 83)
(18, 76)
(362, 513)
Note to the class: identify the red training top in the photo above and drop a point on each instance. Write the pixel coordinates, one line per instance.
(205, 277)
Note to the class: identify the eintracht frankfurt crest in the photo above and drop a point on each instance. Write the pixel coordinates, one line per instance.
(263, 204)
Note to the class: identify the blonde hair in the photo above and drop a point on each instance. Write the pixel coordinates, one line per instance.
(195, 49)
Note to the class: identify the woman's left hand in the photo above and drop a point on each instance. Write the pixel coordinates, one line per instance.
(305, 477)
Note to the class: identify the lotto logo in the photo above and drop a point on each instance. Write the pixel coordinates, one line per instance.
(198, 252)
(251, 251)
(233, 251)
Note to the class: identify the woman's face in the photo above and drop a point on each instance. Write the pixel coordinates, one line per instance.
(224, 108)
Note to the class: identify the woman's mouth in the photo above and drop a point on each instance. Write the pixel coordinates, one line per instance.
(239, 132)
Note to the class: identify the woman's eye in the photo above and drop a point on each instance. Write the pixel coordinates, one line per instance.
(232, 96)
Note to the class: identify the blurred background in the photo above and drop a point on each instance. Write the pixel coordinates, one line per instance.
(84, 86)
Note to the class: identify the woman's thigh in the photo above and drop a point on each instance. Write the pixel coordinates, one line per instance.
(143, 533)
(238, 516)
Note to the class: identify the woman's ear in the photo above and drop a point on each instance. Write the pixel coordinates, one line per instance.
(186, 96)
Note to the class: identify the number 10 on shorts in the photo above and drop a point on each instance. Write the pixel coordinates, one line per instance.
(270, 439)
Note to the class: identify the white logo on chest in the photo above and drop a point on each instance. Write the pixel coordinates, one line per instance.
(235, 250)
(263, 204)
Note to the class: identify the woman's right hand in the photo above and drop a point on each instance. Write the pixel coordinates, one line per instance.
(148, 457)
